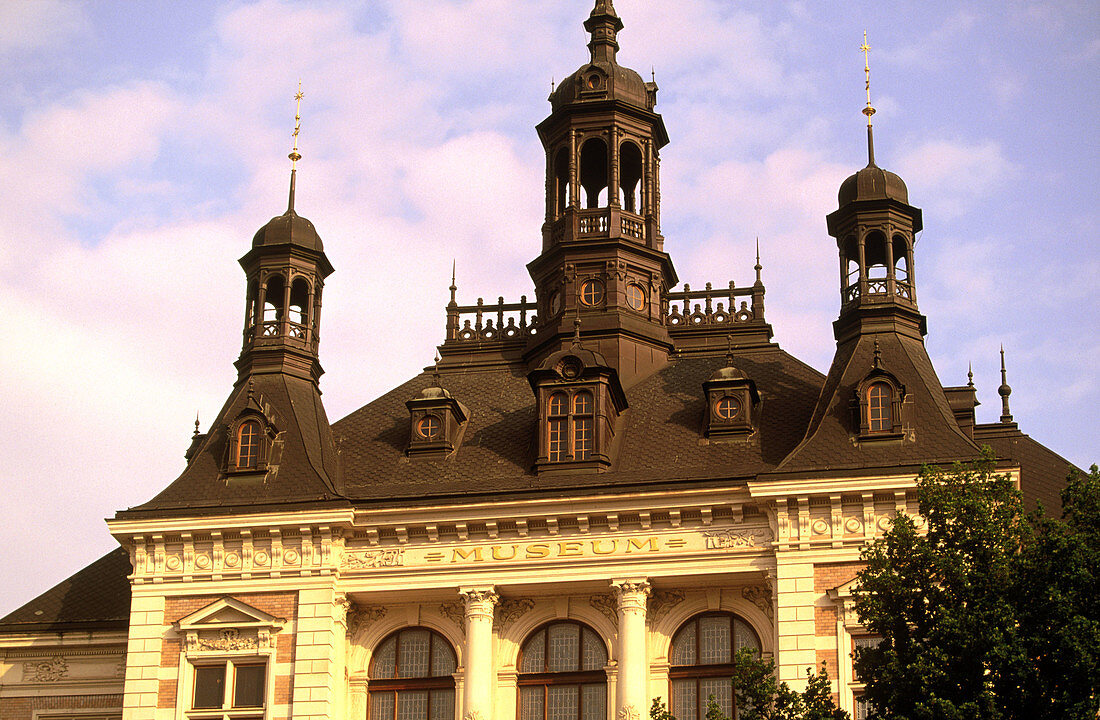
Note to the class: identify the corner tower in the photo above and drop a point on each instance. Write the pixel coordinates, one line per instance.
(603, 259)
(882, 402)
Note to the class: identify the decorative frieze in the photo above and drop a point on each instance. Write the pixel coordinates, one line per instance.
(374, 558)
(606, 604)
(661, 601)
(45, 671)
(759, 596)
(509, 610)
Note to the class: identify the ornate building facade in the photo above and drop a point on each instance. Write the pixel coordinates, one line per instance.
(590, 501)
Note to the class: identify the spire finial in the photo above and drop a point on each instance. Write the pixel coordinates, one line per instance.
(729, 350)
(294, 155)
(435, 372)
(869, 110)
(576, 332)
(603, 23)
(251, 388)
(876, 363)
(453, 288)
(970, 375)
(1004, 391)
(196, 433)
(758, 267)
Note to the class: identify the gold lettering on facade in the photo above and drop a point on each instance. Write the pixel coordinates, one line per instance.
(538, 550)
(497, 552)
(640, 543)
(460, 554)
(570, 549)
(596, 547)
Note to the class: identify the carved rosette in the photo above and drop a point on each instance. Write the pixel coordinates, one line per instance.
(632, 596)
(628, 712)
(509, 610)
(479, 603)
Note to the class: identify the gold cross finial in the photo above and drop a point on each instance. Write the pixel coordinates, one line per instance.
(294, 155)
(866, 49)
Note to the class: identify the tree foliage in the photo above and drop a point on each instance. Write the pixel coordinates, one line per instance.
(991, 613)
(760, 696)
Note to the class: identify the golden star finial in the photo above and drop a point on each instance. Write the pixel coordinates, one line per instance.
(866, 49)
(294, 154)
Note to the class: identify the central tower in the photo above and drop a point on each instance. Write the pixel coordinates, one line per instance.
(603, 261)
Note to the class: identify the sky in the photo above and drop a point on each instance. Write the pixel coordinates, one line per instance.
(144, 143)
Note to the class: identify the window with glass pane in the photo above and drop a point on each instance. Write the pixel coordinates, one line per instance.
(412, 677)
(248, 445)
(562, 674)
(236, 688)
(878, 408)
(701, 659)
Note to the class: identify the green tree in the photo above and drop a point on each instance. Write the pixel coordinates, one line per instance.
(990, 613)
(761, 697)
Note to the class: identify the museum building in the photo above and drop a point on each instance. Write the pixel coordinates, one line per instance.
(591, 500)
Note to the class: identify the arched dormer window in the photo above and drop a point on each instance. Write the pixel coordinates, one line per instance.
(561, 674)
(879, 411)
(630, 177)
(412, 677)
(570, 426)
(701, 659)
(247, 452)
(878, 402)
(594, 173)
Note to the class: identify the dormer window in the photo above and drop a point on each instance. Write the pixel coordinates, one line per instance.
(727, 408)
(438, 422)
(428, 427)
(248, 445)
(579, 401)
(733, 404)
(879, 415)
(878, 403)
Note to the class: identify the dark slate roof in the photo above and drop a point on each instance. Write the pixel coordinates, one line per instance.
(830, 438)
(95, 598)
(308, 469)
(1043, 472)
(660, 439)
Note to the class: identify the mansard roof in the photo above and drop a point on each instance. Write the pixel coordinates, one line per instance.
(307, 470)
(661, 440)
(1043, 472)
(95, 598)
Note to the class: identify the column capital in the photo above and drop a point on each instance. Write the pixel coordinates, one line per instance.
(480, 601)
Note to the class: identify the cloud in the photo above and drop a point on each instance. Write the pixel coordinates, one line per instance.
(955, 175)
(41, 25)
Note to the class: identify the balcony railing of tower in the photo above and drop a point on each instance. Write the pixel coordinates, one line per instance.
(484, 323)
(879, 290)
(722, 308)
(278, 330)
(598, 222)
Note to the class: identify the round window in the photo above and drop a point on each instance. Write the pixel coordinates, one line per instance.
(555, 302)
(429, 427)
(727, 408)
(636, 296)
(591, 293)
(593, 81)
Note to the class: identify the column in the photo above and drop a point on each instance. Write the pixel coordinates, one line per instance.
(631, 696)
(478, 698)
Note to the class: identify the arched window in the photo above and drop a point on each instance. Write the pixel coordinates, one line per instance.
(248, 445)
(594, 173)
(701, 662)
(299, 307)
(561, 674)
(561, 182)
(412, 677)
(874, 252)
(630, 177)
(570, 426)
(879, 417)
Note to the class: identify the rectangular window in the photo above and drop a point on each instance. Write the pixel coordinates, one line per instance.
(582, 438)
(229, 689)
(556, 439)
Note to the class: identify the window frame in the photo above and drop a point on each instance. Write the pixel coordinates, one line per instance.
(255, 445)
(880, 402)
(425, 683)
(571, 427)
(230, 662)
(560, 678)
(592, 293)
(701, 671)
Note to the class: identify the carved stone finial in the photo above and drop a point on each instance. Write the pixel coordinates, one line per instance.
(970, 375)
(758, 267)
(196, 433)
(876, 363)
(576, 332)
(1004, 391)
(729, 350)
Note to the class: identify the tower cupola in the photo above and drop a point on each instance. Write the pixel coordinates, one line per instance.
(603, 258)
(875, 228)
(285, 269)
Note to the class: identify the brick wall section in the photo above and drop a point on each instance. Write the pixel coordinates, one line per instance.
(829, 658)
(279, 604)
(829, 576)
(166, 694)
(24, 708)
(824, 621)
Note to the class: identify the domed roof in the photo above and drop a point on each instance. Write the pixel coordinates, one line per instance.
(602, 78)
(288, 228)
(433, 392)
(602, 81)
(873, 183)
(728, 372)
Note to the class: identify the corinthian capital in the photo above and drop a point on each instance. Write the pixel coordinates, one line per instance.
(480, 601)
(631, 593)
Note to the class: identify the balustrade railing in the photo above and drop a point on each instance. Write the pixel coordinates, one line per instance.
(500, 321)
(719, 307)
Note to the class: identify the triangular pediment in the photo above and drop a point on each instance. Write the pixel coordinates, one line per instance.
(228, 612)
